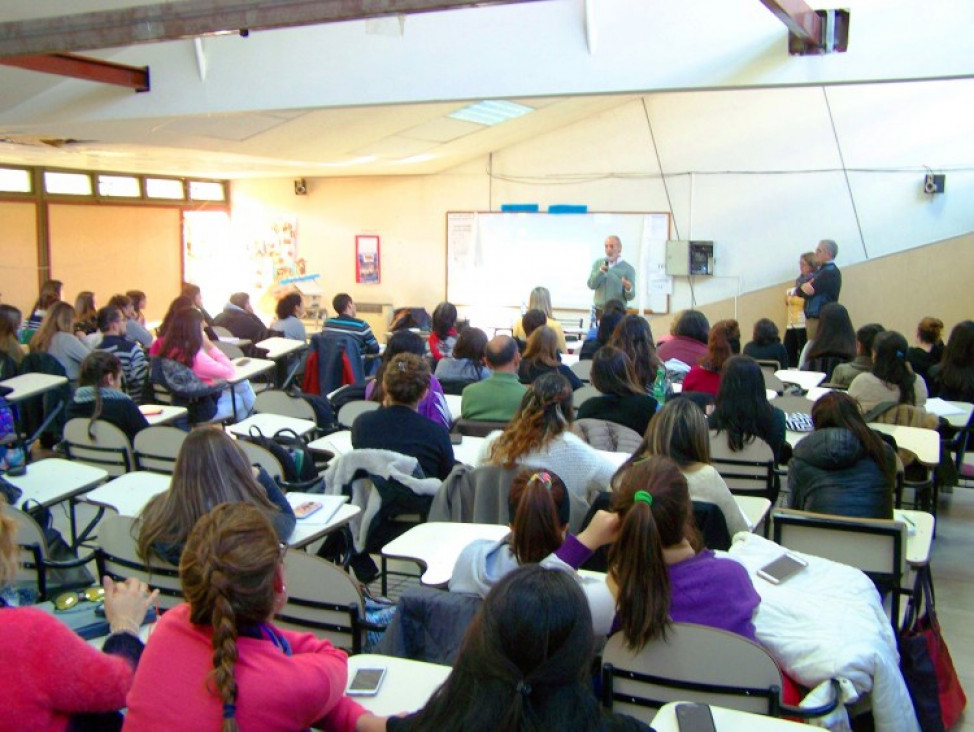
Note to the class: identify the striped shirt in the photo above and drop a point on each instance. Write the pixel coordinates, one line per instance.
(135, 368)
(355, 328)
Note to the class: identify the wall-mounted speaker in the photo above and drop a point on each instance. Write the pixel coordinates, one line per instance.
(300, 187)
(934, 183)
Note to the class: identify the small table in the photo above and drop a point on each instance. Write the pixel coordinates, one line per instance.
(55, 480)
(468, 450)
(957, 414)
(804, 379)
(407, 686)
(278, 349)
(127, 494)
(923, 443)
(729, 720)
(920, 528)
(26, 386)
(162, 413)
(454, 402)
(270, 424)
(754, 509)
(436, 546)
(322, 522)
(337, 443)
(245, 368)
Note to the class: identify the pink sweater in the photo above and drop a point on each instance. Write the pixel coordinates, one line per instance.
(208, 365)
(51, 673)
(275, 691)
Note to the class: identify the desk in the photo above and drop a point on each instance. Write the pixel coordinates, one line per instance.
(804, 379)
(162, 413)
(127, 494)
(957, 414)
(454, 401)
(407, 687)
(923, 443)
(278, 350)
(437, 545)
(234, 341)
(340, 443)
(468, 450)
(26, 386)
(920, 526)
(725, 720)
(754, 509)
(310, 529)
(569, 359)
(271, 424)
(245, 368)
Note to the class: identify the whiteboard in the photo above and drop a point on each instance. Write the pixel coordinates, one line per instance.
(496, 259)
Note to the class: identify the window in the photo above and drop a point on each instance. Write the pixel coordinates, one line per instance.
(70, 184)
(119, 185)
(14, 180)
(170, 188)
(201, 190)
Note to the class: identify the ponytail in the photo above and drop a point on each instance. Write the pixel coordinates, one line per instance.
(539, 508)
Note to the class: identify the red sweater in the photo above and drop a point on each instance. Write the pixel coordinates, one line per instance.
(702, 379)
(275, 691)
(51, 673)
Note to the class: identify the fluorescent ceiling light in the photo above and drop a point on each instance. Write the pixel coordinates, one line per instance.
(490, 112)
(417, 159)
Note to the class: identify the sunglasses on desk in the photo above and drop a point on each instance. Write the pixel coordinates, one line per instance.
(68, 600)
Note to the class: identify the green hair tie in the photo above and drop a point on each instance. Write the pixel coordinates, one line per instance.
(644, 496)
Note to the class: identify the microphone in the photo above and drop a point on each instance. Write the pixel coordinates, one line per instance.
(607, 264)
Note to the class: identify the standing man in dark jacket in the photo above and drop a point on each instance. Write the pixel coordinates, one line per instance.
(824, 286)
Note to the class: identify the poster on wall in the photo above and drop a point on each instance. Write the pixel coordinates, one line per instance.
(367, 260)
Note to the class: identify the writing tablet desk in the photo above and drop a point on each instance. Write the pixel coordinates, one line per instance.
(407, 685)
(279, 350)
(270, 424)
(316, 526)
(127, 494)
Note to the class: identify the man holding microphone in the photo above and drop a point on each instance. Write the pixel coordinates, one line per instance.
(611, 277)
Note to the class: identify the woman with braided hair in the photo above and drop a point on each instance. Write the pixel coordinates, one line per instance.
(218, 662)
(524, 664)
(539, 434)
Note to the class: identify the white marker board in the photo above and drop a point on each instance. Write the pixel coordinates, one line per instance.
(496, 259)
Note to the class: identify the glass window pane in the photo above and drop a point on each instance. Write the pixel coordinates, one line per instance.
(72, 184)
(164, 188)
(200, 190)
(14, 180)
(118, 185)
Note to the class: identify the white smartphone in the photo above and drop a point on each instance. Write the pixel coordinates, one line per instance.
(367, 681)
(782, 568)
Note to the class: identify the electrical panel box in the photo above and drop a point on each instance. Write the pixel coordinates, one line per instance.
(689, 258)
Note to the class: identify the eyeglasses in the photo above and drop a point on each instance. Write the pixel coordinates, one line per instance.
(68, 600)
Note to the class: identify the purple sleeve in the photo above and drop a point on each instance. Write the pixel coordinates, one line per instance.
(573, 552)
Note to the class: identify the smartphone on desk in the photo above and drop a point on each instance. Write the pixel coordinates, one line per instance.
(782, 568)
(367, 681)
(694, 718)
(455, 438)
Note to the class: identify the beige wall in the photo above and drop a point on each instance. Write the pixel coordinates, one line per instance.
(18, 264)
(111, 249)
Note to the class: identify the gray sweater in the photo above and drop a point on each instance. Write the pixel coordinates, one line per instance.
(70, 351)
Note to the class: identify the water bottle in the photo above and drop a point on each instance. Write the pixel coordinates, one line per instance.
(659, 387)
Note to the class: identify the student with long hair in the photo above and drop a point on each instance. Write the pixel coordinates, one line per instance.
(929, 348)
(705, 375)
(467, 361)
(85, 313)
(634, 336)
(834, 341)
(52, 675)
(210, 469)
(398, 426)
(953, 377)
(195, 295)
(891, 378)
(179, 303)
(100, 396)
(540, 299)
(658, 571)
(433, 406)
(524, 664)
(541, 357)
(289, 310)
(133, 330)
(843, 467)
(766, 344)
(845, 373)
(218, 662)
(10, 319)
(50, 293)
(443, 335)
(186, 343)
(540, 435)
(679, 431)
(138, 299)
(613, 314)
(539, 510)
(743, 409)
(623, 399)
(56, 337)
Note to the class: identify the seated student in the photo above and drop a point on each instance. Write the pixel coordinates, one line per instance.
(705, 376)
(238, 318)
(634, 336)
(10, 319)
(614, 312)
(541, 357)
(540, 435)
(929, 348)
(397, 425)
(467, 361)
(497, 398)
(56, 337)
(50, 293)
(843, 467)
(743, 409)
(844, 373)
(210, 469)
(524, 664)
(953, 377)
(433, 406)
(443, 335)
(347, 324)
(178, 303)
(530, 322)
(195, 296)
(657, 570)
(85, 313)
(218, 658)
(111, 338)
(688, 343)
(891, 378)
(766, 344)
(289, 310)
(99, 395)
(186, 343)
(679, 431)
(834, 342)
(540, 299)
(622, 399)
(138, 299)
(41, 693)
(539, 511)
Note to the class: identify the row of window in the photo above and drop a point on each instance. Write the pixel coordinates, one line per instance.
(18, 180)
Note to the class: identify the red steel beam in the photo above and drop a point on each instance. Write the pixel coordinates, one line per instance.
(83, 67)
(801, 20)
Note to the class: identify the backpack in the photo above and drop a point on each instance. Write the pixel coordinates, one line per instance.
(297, 461)
(350, 393)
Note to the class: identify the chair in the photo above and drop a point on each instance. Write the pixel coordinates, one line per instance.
(429, 625)
(605, 435)
(921, 478)
(584, 394)
(43, 416)
(323, 599)
(582, 369)
(157, 447)
(791, 404)
(876, 546)
(696, 663)
(348, 413)
(455, 386)
(117, 557)
(35, 565)
(747, 472)
(957, 444)
(770, 380)
(221, 332)
(273, 401)
(230, 350)
(107, 447)
(262, 457)
(339, 360)
(477, 427)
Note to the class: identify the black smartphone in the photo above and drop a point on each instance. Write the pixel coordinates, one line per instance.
(456, 438)
(694, 718)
